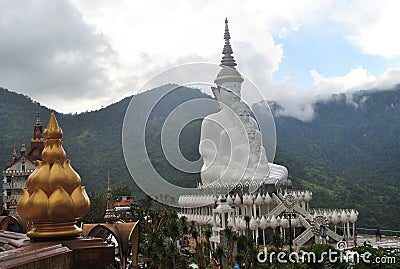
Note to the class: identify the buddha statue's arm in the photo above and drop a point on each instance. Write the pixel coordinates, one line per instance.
(253, 122)
(263, 158)
(225, 146)
(207, 146)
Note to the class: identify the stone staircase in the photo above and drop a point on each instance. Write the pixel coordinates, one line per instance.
(333, 235)
(306, 235)
(277, 210)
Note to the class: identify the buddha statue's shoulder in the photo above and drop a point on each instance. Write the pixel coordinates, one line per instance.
(218, 114)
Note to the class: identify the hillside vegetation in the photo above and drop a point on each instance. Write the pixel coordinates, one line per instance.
(347, 155)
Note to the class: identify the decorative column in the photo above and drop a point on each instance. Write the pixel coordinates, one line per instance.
(348, 225)
(307, 199)
(54, 199)
(343, 219)
(284, 223)
(258, 202)
(237, 202)
(335, 219)
(253, 225)
(353, 219)
(267, 201)
(263, 226)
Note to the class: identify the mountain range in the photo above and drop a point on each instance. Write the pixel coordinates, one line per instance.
(347, 154)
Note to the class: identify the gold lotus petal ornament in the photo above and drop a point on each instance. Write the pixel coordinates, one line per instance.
(53, 151)
(81, 202)
(33, 174)
(22, 204)
(57, 177)
(60, 206)
(39, 179)
(73, 179)
(54, 198)
(37, 205)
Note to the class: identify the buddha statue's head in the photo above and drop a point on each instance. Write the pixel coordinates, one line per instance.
(243, 111)
(255, 147)
(255, 140)
(227, 97)
(251, 133)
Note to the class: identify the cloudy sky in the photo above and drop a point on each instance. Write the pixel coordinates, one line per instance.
(80, 55)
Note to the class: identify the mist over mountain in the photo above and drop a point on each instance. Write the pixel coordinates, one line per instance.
(347, 155)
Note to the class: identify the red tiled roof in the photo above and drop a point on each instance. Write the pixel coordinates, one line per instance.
(123, 203)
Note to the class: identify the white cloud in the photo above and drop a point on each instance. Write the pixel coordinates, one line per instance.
(49, 53)
(283, 32)
(299, 103)
(372, 26)
(357, 78)
(81, 54)
(387, 80)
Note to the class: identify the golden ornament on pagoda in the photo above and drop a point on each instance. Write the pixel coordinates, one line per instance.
(53, 199)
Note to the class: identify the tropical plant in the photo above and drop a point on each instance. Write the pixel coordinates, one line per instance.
(231, 237)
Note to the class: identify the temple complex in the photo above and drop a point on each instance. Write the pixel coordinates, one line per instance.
(51, 204)
(44, 233)
(22, 165)
(241, 188)
(122, 234)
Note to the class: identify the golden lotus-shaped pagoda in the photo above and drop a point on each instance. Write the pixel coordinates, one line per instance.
(54, 198)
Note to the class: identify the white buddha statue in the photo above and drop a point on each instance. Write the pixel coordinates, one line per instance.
(257, 168)
(212, 126)
(241, 150)
(234, 143)
(227, 92)
(231, 142)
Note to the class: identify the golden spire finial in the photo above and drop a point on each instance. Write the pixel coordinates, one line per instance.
(53, 131)
(54, 198)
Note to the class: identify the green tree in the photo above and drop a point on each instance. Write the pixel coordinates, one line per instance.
(97, 209)
(207, 234)
(239, 258)
(276, 239)
(121, 191)
(231, 237)
(248, 242)
(219, 254)
(184, 227)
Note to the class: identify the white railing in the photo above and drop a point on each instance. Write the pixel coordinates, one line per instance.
(14, 185)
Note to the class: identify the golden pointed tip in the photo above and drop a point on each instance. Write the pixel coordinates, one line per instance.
(53, 131)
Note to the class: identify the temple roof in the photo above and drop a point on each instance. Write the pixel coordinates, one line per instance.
(34, 152)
